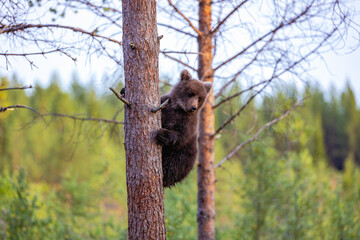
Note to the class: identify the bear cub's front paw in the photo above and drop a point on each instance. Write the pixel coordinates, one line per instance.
(161, 137)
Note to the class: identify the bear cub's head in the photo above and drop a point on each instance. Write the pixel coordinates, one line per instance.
(189, 94)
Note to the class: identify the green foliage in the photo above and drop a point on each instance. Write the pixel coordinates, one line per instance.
(181, 210)
(22, 218)
(283, 186)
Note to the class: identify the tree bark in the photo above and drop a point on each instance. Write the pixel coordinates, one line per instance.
(206, 169)
(146, 218)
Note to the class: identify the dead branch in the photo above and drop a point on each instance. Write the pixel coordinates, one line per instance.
(227, 16)
(248, 47)
(154, 110)
(22, 27)
(177, 30)
(274, 76)
(255, 137)
(12, 107)
(15, 88)
(179, 61)
(218, 94)
(81, 118)
(240, 110)
(101, 14)
(119, 96)
(37, 53)
(242, 69)
(181, 52)
(239, 93)
(271, 33)
(4, 109)
(185, 18)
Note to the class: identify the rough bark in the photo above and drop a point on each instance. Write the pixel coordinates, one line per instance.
(206, 169)
(146, 219)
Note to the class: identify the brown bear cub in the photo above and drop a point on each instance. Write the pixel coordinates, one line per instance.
(178, 135)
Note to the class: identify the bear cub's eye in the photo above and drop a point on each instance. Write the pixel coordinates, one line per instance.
(191, 94)
(200, 99)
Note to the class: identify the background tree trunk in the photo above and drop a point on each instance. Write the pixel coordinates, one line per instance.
(206, 170)
(146, 219)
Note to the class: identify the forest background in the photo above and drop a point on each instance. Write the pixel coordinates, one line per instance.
(63, 175)
(64, 178)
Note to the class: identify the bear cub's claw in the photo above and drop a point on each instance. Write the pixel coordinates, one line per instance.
(161, 137)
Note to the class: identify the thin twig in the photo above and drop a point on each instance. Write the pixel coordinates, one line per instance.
(154, 110)
(248, 47)
(271, 32)
(225, 18)
(119, 96)
(255, 137)
(241, 70)
(185, 18)
(176, 29)
(81, 118)
(21, 27)
(240, 110)
(4, 109)
(15, 88)
(239, 93)
(274, 76)
(29, 54)
(181, 52)
(179, 61)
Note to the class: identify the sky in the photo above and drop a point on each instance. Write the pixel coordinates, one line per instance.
(336, 67)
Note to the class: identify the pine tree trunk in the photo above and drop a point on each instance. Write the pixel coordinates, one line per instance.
(146, 218)
(206, 170)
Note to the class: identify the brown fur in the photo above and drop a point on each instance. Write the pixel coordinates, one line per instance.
(179, 133)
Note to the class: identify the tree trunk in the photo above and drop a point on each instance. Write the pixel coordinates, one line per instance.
(146, 218)
(206, 170)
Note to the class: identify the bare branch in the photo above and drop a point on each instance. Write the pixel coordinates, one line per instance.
(248, 47)
(22, 27)
(179, 61)
(271, 32)
(274, 76)
(227, 16)
(241, 70)
(176, 29)
(239, 93)
(15, 88)
(180, 52)
(101, 14)
(218, 94)
(154, 110)
(38, 53)
(240, 110)
(255, 137)
(119, 96)
(81, 118)
(12, 107)
(185, 18)
(3, 109)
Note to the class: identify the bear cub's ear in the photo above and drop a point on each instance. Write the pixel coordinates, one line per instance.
(185, 75)
(208, 86)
